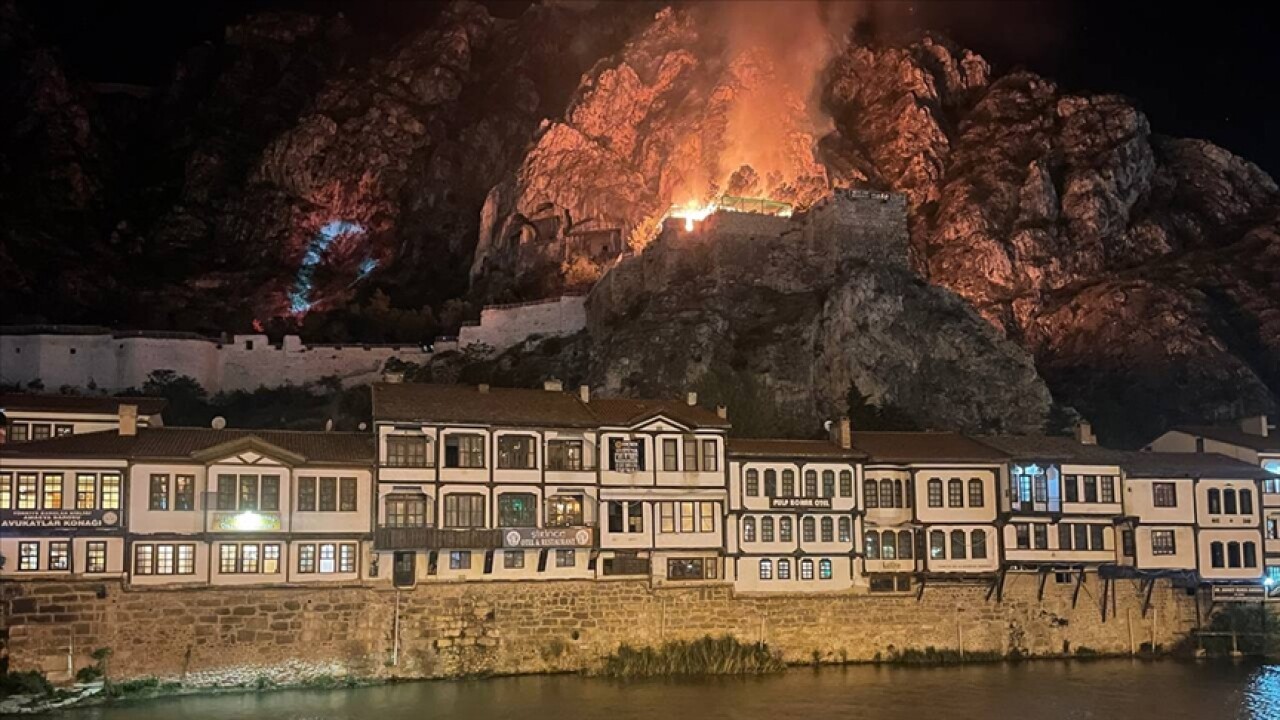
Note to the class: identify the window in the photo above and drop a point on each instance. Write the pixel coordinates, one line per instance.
(517, 452)
(667, 517)
(828, 530)
(513, 559)
(346, 494)
(1250, 555)
(1107, 489)
(1233, 554)
(898, 499)
(1246, 502)
(59, 555)
(159, 495)
(143, 559)
(810, 483)
(807, 533)
(955, 493)
(1162, 543)
(766, 569)
(408, 451)
(976, 493)
(28, 556)
(19, 432)
(328, 557)
(270, 498)
(771, 483)
(906, 544)
(1216, 558)
(564, 511)
(978, 540)
(164, 559)
(806, 569)
(226, 498)
(937, 545)
(6, 490)
(845, 530)
(248, 492)
(184, 492)
(406, 511)
(1215, 501)
(626, 516)
(828, 483)
(227, 556)
(766, 529)
(846, 484)
(687, 515)
(749, 529)
(692, 517)
(95, 557)
(249, 559)
(346, 558)
(1229, 505)
(1041, 536)
(710, 458)
(691, 569)
(328, 494)
(824, 569)
(959, 545)
(788, 483)
(86, 491)
(707, 517)
(690, 454)
(521, 510)
(565, 558)
(564, 455)
(752, 485)
(40, 431)
(1097, 537)
(306, 558)
(1042, 487)
(27, 489)
(935, 493)
(1164, 494)
(1023, 536)
(464, 451)
(460, 560)
(1081, 536)
(1091, 488)
(270, 559)
(870, 497)
(1127, 544)
(784, 569)
(889, 545)
(464, 511)
(872, 541)
(306, 493)
(1070, 484)
(52, 491)
(784, 530)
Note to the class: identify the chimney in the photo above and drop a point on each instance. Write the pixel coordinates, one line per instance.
(691, 398)
(552, 385)
(1084, 433)
(128, 419)
(723, 412)
(392, 377)
(842, 433)
(1256, 425)
(584, 393)
(483, 388)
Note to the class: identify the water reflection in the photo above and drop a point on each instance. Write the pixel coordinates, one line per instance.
(1133, 690)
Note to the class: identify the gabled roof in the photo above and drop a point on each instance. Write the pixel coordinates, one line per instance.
(770, 448)
(1234, 436)
(1188, 465)
(88, 404)
(343, 448)
(924, 447)
(425, 402)
(1050, 448)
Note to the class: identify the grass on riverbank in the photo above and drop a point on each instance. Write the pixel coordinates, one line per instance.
(706, 656)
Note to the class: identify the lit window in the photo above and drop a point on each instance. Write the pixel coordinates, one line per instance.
(52, 491)
(28, 556)
(96, 557)
(766, 569)
(86, 492)
(460, 560)
(565, 558)
(824, 569)
(806, 569)
(513, 559)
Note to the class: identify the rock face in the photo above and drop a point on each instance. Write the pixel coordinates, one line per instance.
(779, 319)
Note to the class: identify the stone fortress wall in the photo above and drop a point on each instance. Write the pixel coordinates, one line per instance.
(238, 635)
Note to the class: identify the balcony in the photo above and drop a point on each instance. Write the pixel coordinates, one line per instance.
(432, 538)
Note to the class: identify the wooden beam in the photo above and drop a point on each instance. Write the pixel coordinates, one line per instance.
(1146, 600)
(1075, 595)
(1044, 575)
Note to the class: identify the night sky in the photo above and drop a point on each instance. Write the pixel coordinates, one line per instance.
(1208, 73)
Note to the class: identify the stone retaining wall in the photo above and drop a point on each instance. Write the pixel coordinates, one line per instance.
(207, 636)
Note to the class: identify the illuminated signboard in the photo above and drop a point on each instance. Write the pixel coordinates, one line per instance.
(799, 502)
(247, 521)
(566, 537)
(626, 456)
(34, 519)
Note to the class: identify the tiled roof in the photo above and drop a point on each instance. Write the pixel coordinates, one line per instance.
(1050, 447)
(905, 447)
(790, 448)
(1192, 465)
(1234, 436)
(182, 443)
(422, 402)
(94, 404)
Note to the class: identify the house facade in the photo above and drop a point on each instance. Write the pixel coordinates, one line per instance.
(28, 417)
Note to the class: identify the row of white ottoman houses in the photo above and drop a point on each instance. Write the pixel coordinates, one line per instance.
(466, 483)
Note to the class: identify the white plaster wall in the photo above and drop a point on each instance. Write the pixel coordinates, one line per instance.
(503, 326)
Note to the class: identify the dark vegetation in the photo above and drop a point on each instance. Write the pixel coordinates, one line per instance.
(707, 656)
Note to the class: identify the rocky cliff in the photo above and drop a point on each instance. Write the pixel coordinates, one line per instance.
(299, 166)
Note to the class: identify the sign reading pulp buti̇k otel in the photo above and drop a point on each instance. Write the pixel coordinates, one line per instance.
(564, 537)
(799, 502)
(60, 519)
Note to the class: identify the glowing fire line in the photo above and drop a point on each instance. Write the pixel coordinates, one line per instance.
(692, 213)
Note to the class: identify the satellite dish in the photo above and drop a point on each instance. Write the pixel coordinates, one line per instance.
(364, 426)
(219, 423)
(328, 425)
(826, 425)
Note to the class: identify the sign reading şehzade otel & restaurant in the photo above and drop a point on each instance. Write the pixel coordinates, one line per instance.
(60, 519)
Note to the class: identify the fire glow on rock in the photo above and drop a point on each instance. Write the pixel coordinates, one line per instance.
(692, 213)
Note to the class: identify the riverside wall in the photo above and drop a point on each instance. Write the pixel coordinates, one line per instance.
(242, 635)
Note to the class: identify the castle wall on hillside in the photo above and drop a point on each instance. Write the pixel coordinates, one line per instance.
(502, 326)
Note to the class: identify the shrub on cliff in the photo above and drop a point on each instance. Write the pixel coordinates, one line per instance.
(725, 655)
(27, 682)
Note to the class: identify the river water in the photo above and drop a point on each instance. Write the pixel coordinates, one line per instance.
(1046, 690)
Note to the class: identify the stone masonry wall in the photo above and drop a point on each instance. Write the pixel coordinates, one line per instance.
(208, 636)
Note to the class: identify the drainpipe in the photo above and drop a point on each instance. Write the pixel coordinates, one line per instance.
(395, 634)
